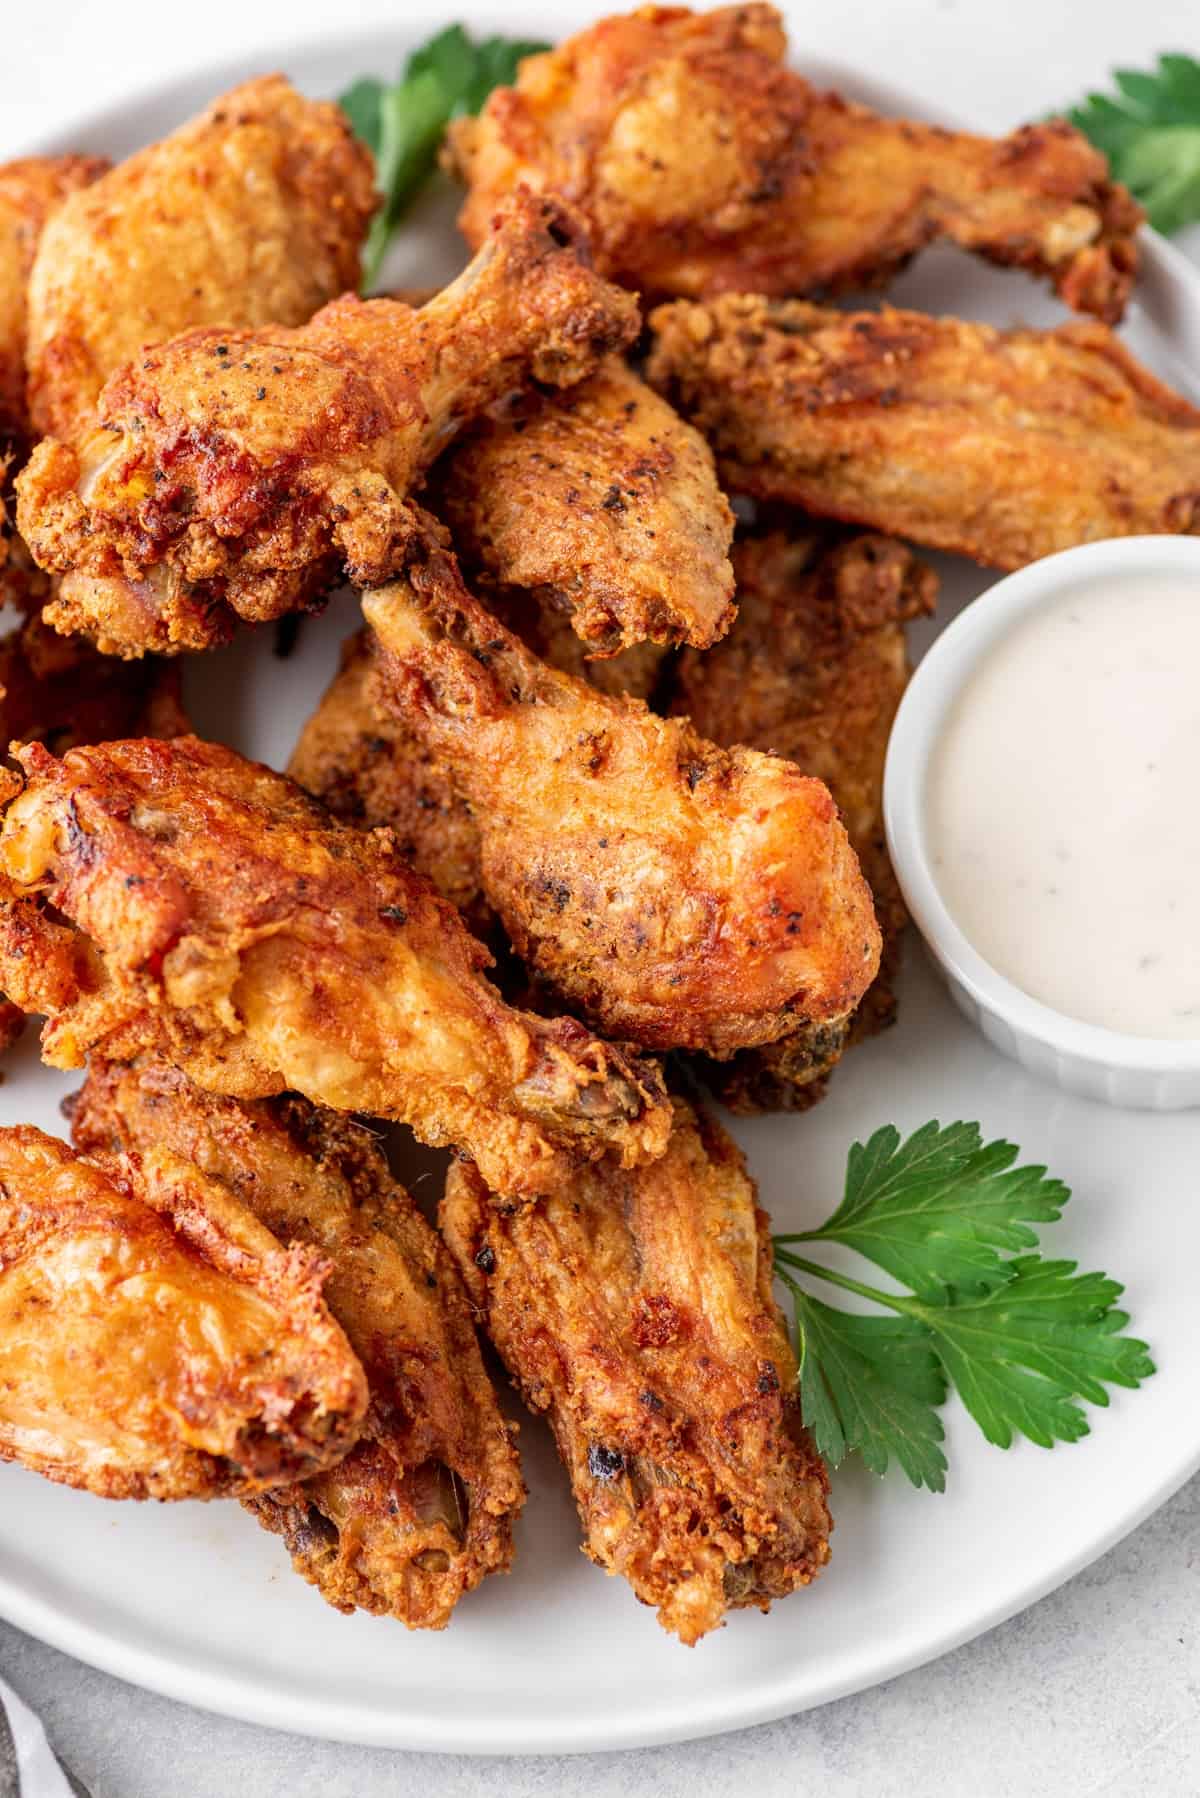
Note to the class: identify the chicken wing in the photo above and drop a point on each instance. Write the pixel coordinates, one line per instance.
(155, 1340)
(61, 692)
(251, 214)
(218, 918)
(705, 166)
(681, 895)
(30, 190)
(636, 1312)
(602, 502)
(372, 771)
(1001, 445)
(369, 768)
(422, 1508)
(232, 473)
(814, 669)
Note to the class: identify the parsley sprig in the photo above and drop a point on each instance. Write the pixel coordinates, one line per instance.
(402, 122)
(1020, 1338)
(1149, 129)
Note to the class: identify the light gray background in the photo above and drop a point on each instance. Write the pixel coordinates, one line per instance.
(1093, 1691)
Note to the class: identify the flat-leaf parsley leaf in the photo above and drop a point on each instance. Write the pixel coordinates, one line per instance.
(402, 122)
(1150, 131)
(1021, 1339)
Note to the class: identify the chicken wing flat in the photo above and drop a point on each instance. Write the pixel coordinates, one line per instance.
(218, 918)
(232, 473)
(422, 1508)
(251, 214)
(814, 669)
(603, 503)
(30, 190)
(681, 895)
(636, 1312)
(155, 1340)
(706, 166)
(1001, 445)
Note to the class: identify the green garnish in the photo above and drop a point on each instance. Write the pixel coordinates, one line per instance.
(402, 122)
(1150, 131)
(1020, 1339)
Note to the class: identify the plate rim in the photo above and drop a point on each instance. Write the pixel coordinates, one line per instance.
(266, 1704)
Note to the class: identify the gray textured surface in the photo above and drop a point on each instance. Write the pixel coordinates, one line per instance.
(1094, 1691)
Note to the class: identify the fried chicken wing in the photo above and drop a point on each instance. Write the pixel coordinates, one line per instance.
(61, 692)
(250, 214)
(681, 895)
(155, 1340)
(814, 669)
(217, 917)
(369, 768)
(232, 473)
(604, 504)
(422, 1508)
(1001, 445)
(636, 1312)
(705, 166)
(30, 190)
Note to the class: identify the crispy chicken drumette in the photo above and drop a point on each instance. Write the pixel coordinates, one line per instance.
(217, 917)
(250, 214)
(683, 896)
(704, 165)
(233, 473)
(1002, 445)
(602, 503)
(814, 669)
(636, 1312)
(422, 1508)
(155, 1340)
(30, 190)
(371, 769)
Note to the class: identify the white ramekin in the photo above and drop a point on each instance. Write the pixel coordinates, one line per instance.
(1149, 1073)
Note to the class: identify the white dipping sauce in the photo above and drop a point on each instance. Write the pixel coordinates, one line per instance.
(1063, 805)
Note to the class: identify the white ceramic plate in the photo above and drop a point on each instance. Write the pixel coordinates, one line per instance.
(196, 1602)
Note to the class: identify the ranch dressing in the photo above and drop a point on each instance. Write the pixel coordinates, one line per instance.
(1063, 805)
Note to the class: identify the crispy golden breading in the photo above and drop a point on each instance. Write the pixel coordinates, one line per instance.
(217, 917)
(155, 1340)
(547, 630)
(61, 692)
(1001, 445)
(681, 895)
(706, 166)
(422, 1508)
(636, 1311)
(30, 190)
(372, 770)
(814, 669)
(602, 502)
(235, 472)
(251, 214)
